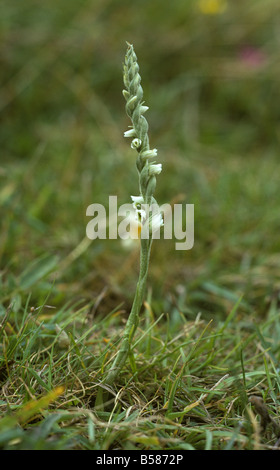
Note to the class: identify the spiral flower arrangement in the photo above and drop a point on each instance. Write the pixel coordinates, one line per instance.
(148, 171)
(135, 109)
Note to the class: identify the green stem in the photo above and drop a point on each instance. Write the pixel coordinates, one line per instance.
(147, 171)
(133, 319)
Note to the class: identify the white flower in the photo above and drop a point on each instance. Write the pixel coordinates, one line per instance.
(149, 153)
(137, 200)
(156, 221)
(130, 133)
(155, 169)
(136, 143)
(141, 213)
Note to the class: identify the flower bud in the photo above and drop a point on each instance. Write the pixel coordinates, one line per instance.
(143, 109)
(149, 153)
(132, 102)
(155, 169)
(126, 94)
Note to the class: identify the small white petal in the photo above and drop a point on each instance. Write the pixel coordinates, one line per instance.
(130, 133)
(137, 199)
(155, 169)
(156, 222)
(149, 153)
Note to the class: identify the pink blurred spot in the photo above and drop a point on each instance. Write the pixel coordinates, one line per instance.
(252, 56)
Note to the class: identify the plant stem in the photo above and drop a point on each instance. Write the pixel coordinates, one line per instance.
(133, 319)
(147, 171)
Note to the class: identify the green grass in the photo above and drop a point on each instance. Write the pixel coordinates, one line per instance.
(187, 386)
(209, 333)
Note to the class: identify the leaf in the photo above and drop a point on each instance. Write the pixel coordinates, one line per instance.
(37, 270)
(30, 409)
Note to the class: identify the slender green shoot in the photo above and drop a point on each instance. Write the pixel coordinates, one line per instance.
(147, 170)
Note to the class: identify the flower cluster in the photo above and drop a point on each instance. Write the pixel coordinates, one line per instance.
(135, 109)
(149, 214)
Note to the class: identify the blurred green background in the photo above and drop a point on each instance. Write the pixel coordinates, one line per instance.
(210, 74)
